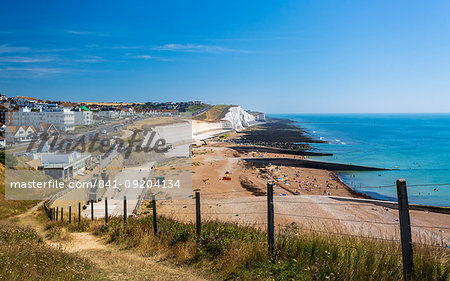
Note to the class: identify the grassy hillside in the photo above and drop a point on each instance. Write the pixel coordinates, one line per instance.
(215, 113)
(196, 107)
(23, 256)
(233, 252)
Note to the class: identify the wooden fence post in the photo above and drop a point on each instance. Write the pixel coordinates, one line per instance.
(405, 229)
(57, 209)
(198, 220)
(79, 212)
(70, 214)
(92, 210)
(106, 210)
(52, 214)
(270, 217)
(124, 211)
(155, 222)
(62, 213)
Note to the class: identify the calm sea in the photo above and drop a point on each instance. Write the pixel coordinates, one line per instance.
(416, 145)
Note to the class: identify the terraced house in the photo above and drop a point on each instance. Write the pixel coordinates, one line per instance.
(19, 133)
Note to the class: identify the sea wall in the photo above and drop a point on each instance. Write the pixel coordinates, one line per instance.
(199, 127)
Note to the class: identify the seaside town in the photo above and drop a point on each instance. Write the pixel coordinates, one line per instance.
(27, 121)
(24, 118)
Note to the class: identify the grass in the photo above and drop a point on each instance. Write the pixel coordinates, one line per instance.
(215, 113)
(196, 107)
(148, 123)
(24, 256)
(230, 251)
(223, 137)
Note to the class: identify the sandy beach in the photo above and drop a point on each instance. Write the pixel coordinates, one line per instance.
(233, 190)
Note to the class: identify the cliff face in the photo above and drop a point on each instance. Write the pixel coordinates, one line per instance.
(235, 119)
(239, 118)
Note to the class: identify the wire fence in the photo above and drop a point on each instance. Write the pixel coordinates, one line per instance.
(264, 213)
(187, 210)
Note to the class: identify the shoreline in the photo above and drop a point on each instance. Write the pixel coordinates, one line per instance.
(233, 190)
(306, 151)
(252, 144)
(430, 208)
(351, 190)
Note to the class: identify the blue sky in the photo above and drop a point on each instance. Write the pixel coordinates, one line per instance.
(274, 56)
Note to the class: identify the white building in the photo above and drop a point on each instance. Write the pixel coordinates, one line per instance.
(109, 114)
(62, 118)
(83, 118)
(62, 165)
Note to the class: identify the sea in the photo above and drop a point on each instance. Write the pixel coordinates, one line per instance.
(415, 146)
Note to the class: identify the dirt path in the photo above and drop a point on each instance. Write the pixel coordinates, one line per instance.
(113, 264)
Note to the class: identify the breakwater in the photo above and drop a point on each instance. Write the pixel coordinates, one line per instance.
(262, 149)
(311, 164)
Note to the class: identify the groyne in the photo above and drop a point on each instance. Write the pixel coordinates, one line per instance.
(311, 164)
(278, 150)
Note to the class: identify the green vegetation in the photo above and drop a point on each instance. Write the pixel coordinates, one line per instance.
(24, 256)
(230, 251)
(223, 137)
(196, 107)
(215, 113)
(2, 156)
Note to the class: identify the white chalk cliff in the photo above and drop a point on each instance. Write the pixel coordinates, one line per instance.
(239, 118)
(235, 119)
